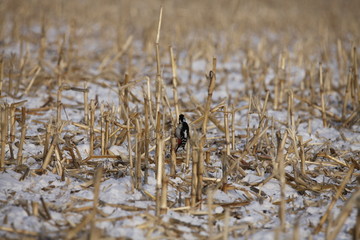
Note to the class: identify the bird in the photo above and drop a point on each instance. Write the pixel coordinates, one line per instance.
(182, 132)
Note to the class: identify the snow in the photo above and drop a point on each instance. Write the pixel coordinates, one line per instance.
(119, 191)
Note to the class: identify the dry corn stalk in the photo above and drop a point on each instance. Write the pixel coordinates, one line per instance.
(212, 79)
(334, 199)
(281, 171)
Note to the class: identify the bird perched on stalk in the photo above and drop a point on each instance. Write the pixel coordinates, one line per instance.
(182, 132)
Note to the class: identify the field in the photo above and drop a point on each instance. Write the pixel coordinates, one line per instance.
(91, 91)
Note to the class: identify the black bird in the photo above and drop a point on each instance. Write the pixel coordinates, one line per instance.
(182, 132)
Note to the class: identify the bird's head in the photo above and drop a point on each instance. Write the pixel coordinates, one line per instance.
(181, 118)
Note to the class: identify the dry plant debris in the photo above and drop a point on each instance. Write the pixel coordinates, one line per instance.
(91, 91)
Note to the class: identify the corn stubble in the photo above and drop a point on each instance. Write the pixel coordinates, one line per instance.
(318, 38)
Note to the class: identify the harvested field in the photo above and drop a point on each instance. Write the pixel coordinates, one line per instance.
(90, 97)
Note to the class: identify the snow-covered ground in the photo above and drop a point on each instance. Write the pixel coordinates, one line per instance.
(258, 218)
(53, 205)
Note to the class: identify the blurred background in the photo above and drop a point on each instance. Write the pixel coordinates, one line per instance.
(225, 24)
(88, 31)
